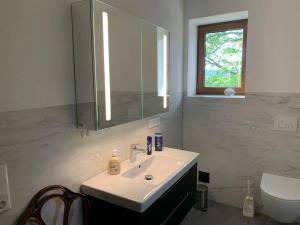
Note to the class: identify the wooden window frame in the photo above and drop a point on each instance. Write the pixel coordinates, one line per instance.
(219, 27)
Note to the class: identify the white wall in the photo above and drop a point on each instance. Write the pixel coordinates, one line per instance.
(273, 51)
(36, 54)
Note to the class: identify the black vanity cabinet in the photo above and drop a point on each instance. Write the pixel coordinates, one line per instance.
(169, 209)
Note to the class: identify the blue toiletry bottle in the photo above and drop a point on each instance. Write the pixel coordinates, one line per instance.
(158, 142)
(149, 145)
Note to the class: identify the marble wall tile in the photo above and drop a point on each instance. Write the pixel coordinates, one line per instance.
(236, 141)
(43, 147)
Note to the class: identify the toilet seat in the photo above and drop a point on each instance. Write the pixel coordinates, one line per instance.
(284, 188)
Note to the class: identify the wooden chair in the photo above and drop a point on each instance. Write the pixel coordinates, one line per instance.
(33, 211)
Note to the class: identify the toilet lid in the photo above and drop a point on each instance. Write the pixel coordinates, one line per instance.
(281, 187)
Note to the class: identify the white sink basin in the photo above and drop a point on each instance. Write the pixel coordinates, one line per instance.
(130, 189)
(158, 166)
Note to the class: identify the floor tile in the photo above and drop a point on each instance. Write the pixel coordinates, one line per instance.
(220, 214)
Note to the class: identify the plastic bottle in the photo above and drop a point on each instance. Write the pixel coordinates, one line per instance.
(114, 165)
(158, 142)
(149, 145)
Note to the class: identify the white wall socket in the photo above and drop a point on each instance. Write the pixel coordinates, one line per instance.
(286, 123)
(154, 122)
(5, 202)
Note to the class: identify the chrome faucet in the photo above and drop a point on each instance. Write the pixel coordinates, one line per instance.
(134, 150)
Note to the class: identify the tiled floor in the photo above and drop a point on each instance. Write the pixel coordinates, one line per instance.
(220, 214)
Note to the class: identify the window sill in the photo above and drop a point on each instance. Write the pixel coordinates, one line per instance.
(218, 96)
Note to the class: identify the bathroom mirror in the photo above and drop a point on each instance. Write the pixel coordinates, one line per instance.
(117, 65)
(155, 66)
(121, 66)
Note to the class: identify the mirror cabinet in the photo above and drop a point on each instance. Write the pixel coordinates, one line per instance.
(121, 66)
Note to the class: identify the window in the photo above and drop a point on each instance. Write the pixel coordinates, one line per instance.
(222, 57)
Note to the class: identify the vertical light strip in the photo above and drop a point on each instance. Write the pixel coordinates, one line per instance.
(106, 66)
(165, 92)
(142, 70)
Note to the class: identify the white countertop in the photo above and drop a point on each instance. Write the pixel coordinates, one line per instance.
(135, 193)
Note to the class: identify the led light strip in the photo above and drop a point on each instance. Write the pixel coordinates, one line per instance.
(165, 71)
(106, 66)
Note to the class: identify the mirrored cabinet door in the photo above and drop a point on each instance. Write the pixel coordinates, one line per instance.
(155, 69)
(121, 66)
(117, 65)
(84, 65)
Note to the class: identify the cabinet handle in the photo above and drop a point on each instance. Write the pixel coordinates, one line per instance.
(174, 210)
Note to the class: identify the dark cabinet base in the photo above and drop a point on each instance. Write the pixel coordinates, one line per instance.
(169, 209)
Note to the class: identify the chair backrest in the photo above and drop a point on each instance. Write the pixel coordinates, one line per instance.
(33, 211)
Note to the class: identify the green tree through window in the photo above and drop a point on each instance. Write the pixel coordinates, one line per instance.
(223, 58)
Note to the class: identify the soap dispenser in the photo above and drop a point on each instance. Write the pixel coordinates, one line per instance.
(114, 165)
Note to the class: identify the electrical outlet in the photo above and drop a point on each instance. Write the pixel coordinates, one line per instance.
(154, 122)
(286, 123)
(5, 203)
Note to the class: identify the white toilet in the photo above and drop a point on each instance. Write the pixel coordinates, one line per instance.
(281, 197)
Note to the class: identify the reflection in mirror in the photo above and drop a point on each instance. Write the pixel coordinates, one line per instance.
(83, 65)
(117, 50)
(121, 66)
(107, 65)
(155, 63)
